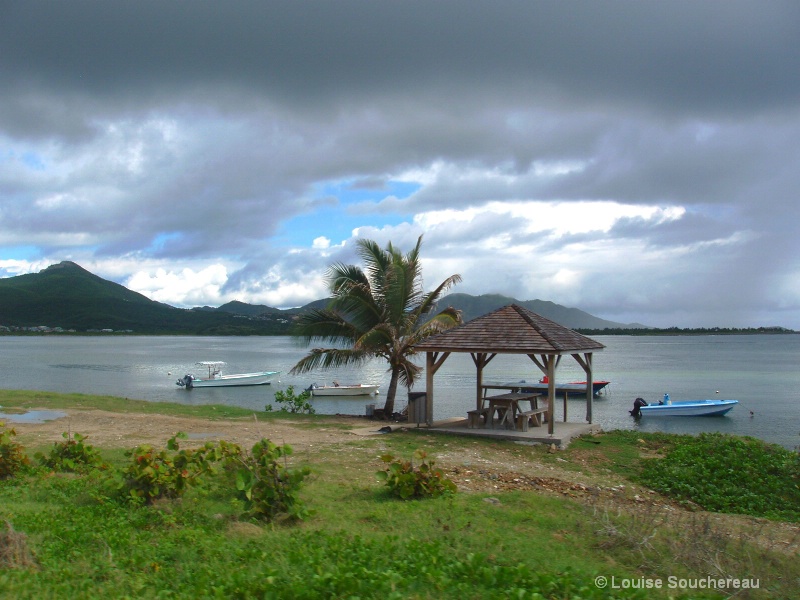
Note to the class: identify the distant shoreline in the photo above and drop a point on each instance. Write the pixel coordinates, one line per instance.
(671, 331)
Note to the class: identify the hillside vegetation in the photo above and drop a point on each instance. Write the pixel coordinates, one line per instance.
(68, 297)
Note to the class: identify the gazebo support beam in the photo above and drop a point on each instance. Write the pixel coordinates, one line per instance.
(551, 362)
(481, 359)
(586, 362)
(432, 363)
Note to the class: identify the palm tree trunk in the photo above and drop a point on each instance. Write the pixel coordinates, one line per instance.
(388, 407)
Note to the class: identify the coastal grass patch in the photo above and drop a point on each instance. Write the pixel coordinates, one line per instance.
(729, 474)
(701, 546)
(22, 400)
(82, 543)
(617, 451)
(360, 541)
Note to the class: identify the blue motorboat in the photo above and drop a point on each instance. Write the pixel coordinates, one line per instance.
(683, 408)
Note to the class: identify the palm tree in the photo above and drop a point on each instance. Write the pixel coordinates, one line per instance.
(379, 312)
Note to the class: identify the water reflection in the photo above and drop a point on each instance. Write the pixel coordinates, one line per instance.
(32, 416)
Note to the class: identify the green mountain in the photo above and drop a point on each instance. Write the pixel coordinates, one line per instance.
(475, 306)
(67, 296)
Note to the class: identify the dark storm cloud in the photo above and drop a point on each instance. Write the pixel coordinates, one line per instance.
(678, 56)
(189, 131)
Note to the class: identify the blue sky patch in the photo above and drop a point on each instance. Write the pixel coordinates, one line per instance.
(351, 210)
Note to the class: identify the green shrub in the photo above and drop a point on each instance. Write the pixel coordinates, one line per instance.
(72, 455)
(158, 474)
(268, 487)
(404, 481)
(12, 453)
(730, 474)
(293, 403)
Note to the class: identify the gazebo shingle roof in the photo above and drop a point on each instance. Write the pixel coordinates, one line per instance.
(511, 329)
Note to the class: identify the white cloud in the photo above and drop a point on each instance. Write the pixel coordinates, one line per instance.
(321, 243)
(186, 287)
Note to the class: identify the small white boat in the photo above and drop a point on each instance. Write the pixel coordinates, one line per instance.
(361, 389)
(215, 377)
(684, 408)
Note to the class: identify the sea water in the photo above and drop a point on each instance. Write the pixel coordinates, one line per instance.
(761, 371)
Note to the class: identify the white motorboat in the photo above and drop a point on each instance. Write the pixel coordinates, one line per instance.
(215, 378)
(684, 408)
(360, 389)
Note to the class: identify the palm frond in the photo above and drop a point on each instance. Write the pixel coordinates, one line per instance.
(328, 358)
(325, 324)
(430, 299)
(378, 262)
(408, 372)
(341, 278)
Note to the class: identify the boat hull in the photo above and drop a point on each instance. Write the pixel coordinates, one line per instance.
(575, 388)
(236, 380)
(344, 390)
(690, 408)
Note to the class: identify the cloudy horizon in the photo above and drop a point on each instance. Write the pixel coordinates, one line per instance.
(638, 161)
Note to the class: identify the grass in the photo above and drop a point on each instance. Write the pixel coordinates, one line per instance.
(66, 536)
(20, 400)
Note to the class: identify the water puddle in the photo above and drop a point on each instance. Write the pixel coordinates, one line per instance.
(202, 436)
(32, 416)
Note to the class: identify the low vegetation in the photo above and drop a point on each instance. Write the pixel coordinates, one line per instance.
(406, 481)
(729, 474)
(72, 455)
(12, 453)
(292, 402)
(479, 519)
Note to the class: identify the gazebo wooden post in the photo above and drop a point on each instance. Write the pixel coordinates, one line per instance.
(550, 362)
(589, 386)
(586, 363)
(432, 363)
(480, 359)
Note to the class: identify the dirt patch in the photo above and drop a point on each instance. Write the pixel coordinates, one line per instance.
(116, 430)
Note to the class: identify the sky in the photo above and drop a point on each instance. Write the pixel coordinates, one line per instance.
(636, 160)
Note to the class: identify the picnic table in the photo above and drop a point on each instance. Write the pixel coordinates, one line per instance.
(508, 411)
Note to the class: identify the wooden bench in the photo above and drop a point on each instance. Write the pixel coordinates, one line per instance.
(525, 418)
(477, 418)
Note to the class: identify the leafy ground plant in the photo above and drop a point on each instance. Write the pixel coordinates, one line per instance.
(163, 474)
(292, 402)
(12, 453)
(72, 455)
(730, 474)
(266, 485)
(406, 482)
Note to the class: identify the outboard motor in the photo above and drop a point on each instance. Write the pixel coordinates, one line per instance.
(186, 381)
(637, 407)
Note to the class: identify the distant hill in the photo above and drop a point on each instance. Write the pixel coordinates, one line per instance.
(475, 306)
(70, 297)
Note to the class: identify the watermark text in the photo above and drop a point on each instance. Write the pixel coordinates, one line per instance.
(677, 583)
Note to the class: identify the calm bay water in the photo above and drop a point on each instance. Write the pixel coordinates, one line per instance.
(759, 371)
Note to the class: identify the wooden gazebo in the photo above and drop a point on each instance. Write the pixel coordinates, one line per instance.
(511, 329)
